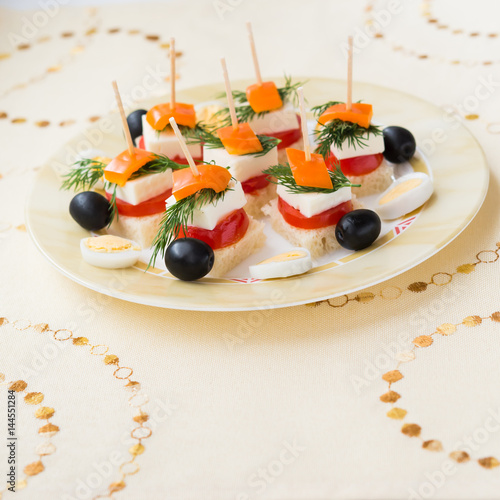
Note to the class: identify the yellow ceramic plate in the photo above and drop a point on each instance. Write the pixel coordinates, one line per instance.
(447, 151)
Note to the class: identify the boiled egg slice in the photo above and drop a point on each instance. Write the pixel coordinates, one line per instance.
(404, 195)
(109, 252)
(296, 261)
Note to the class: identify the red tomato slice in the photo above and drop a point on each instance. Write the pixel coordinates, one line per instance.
(228, 231)
(324, 219)
(254, 184)
(178, 159)
(288, 137)
(152, 206)
(359, 165)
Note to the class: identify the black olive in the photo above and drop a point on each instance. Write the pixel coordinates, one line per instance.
(358, 229)
(91, 210)
(134, 121)
(399, 144)
(189, 259)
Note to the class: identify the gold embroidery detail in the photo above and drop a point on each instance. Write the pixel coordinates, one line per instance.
(414, 430)
(45, 448)
(397, 413)
(62, 335)
(137, 400)
(392, 376)
(81, 341)
(137, 449)
(118, 486)
(418, 287)
(411, 430)
(423, 341)
(34, 468)
(111, 359)
(41, 328)
(364, 297)
(33, 398)
(48, 430)
(471, 321)
(45, 412)
(18, 386)
(141, 418)
(389, 397)
(432, 445)
(447, 329)
(488, 462)
(460, 456)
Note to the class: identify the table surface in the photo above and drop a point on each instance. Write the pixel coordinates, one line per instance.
(387, 393)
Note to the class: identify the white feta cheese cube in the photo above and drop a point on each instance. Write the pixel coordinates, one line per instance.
(144, 188)
(165, 143)
(242, 167)
(309, 204)
(280, 120)
(210, 215)
(374, 145)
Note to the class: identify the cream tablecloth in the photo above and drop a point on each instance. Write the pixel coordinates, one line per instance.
(308, 403)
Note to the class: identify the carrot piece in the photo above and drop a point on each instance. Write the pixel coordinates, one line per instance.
(264, 97)
(360, 113)
(185, 183)
(313, 173)
(159, 116)
(120, 168)
(239, 140)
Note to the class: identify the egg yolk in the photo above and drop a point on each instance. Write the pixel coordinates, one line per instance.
(400, 189)
(284, 257)
(110, 244)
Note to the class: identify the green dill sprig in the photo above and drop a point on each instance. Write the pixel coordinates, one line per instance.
(338, 132)
(244, 111)
(178, 216)
(282, 175)
(113, 208)
(210, 139)
(185, 130)
(84, 175)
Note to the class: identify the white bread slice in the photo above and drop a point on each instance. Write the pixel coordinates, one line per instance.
(229, 257)
(282, 158)
(374, 182)
(259, 198)
(142, 230)
(317, 241)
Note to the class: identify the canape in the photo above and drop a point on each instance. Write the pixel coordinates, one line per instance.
(136, 187)
(209, 207)
(349, 138)
(247, 155)
(311, 200)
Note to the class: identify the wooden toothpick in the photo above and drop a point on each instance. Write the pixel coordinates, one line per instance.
(303, 119)
(184, 148)
(230, 101)
(130, 142)
(349, 74)
(172, 73)
(254, 53)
